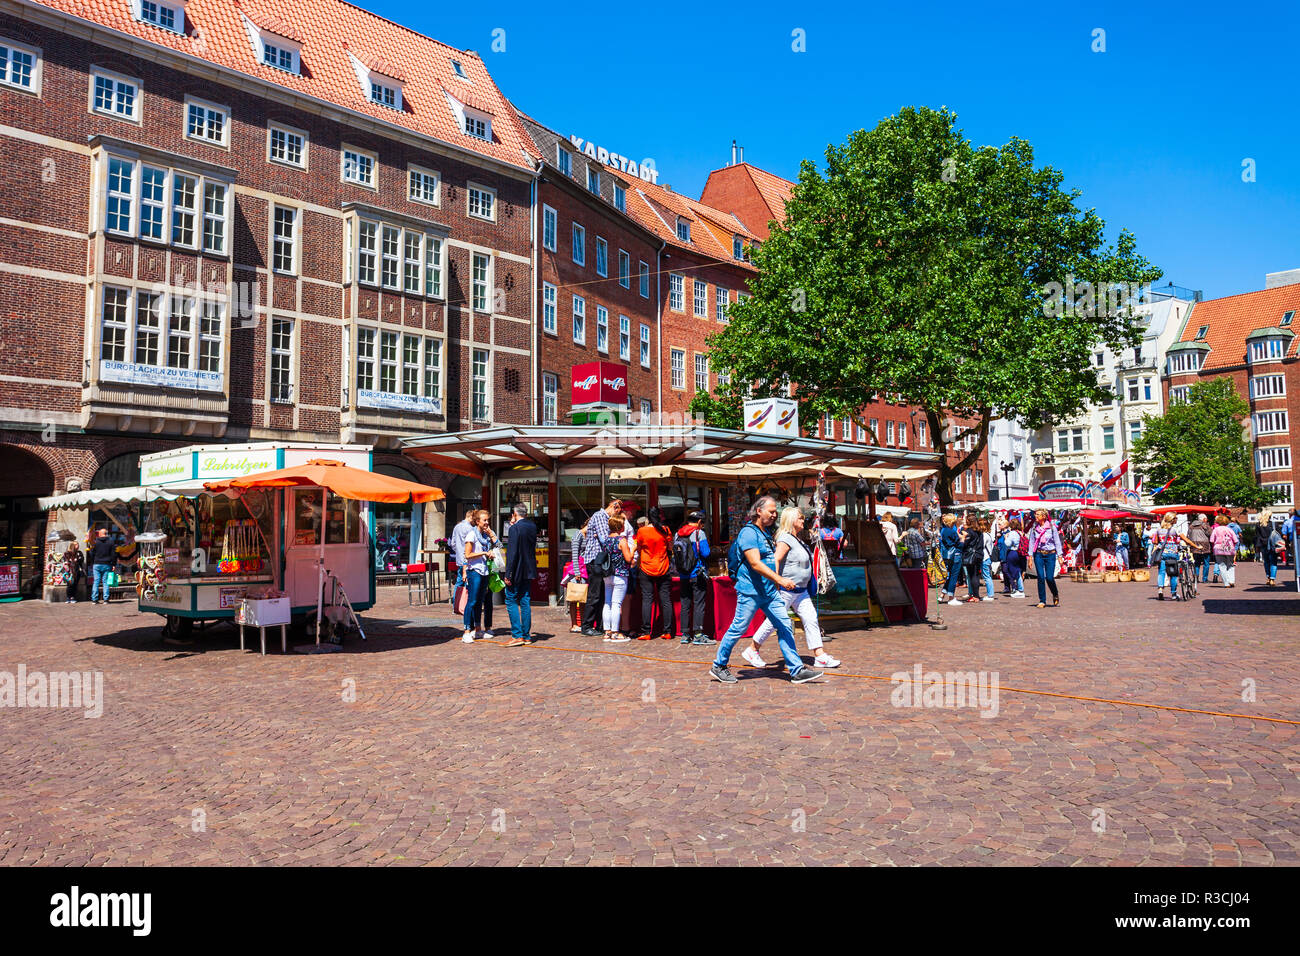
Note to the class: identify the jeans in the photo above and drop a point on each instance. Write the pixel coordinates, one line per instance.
(1172, 565)
(615, 591)
(519, 605)
(97, 586)
(593, 610)
(955, 571)
(986, 571)
(476, 584)
(483, 607)
(1013, 569)
(651, 588)
(1225, 566)
(1203, 562)
(747, 605)
(1121, 553)
(694, 591)
(1045, 568)
(802, 604)
(1270, 562)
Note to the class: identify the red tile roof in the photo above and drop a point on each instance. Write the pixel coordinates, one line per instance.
(271, 23)
(657, 208)
(775, 191)
(384, 68)
(770, 190)
(216, 33)
(1234, 317)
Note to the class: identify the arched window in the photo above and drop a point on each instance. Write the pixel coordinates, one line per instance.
(1071, 473)
(120, 472)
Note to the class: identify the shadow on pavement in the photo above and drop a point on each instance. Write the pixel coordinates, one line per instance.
(1253, 608)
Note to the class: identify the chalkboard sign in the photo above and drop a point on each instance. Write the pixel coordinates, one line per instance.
(887, 586)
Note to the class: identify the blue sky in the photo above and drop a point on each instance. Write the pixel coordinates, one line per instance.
(1154, 130)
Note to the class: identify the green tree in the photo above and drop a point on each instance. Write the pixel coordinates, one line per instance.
(1200, 445)
(918, 265)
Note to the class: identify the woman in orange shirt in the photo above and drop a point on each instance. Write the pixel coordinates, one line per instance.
(653, 547)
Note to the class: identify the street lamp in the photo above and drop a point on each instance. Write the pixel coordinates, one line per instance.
(1007, 469)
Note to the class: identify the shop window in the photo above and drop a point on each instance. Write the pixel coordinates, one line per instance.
(120, 472)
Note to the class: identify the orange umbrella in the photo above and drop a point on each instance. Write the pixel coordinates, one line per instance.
(342, 480)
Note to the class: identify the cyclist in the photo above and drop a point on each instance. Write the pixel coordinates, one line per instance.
(1166, 546)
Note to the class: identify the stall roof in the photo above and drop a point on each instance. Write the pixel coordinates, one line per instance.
(104, 496)
(475, 453)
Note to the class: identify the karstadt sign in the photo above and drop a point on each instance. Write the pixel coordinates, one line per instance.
(644, 171)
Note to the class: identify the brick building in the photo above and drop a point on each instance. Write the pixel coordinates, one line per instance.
(1249, 339)
(249, 221)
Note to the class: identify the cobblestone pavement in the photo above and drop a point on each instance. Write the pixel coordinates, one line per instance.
(455, 753)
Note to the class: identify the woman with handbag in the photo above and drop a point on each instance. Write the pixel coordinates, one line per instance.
(74, 569)
(478, 545)
(620, 563)
(794, 561)
(1046, 546)
(653, 544)
(575, 582)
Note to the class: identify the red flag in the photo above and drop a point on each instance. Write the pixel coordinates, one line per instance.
(1116, 475)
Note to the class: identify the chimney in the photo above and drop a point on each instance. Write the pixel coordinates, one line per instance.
(742, 154)
(1274, 280)
(733, 153)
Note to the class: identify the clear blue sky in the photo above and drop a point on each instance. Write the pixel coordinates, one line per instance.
(1153, 131)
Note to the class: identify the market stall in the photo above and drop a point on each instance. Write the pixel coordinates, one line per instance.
(1099, 558)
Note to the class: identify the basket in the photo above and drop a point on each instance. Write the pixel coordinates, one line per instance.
(1093, 577)
(1141, 574)
(1126, 576)
(1110, 577)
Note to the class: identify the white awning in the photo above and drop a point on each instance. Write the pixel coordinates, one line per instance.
(884, 474)
(105, 496)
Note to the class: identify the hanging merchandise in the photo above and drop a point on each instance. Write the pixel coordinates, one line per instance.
(862, 489)
(240, 551)
(882, 491)
(150, 580)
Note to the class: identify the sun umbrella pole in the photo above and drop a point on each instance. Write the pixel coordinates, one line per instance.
(320, 562)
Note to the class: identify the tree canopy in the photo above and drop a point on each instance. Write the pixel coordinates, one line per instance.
(1200, 445)
(918, 265)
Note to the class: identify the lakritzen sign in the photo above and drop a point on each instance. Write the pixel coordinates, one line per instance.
(644, 171)
(599, 383)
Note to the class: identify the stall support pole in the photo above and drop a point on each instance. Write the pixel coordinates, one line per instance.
(320, 561)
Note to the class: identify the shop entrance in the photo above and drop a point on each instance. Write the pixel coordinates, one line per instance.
(24, 478)
(395, 525)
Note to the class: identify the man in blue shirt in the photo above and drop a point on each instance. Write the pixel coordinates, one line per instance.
(756, 592)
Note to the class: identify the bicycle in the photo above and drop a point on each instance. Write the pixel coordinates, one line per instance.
(1186, 575)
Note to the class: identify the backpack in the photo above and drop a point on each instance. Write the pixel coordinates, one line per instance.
(1023, 547)
(685, 555)
(734, 558)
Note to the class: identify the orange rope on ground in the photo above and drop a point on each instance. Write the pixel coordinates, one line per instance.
(1013, 690)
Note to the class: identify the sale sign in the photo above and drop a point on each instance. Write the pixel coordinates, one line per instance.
(8, 581)
(599, 384)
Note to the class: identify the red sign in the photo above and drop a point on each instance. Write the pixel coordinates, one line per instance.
(599, 383)
(8, 580)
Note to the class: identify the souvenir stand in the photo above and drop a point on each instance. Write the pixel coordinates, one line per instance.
(719, 471)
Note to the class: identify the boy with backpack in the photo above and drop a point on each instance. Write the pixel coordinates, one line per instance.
(690, 548)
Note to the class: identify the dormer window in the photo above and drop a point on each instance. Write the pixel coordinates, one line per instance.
(737, 248)
(473, 114)
(380, 80)
(167, 15)
(275, 43)
(460, 70)
(620, 197)
(683, 229)
(476, 126)
(1202, 332)
(383, 95)
(593, 179)
(564, 160)
(1268, 349)
(1286, 319)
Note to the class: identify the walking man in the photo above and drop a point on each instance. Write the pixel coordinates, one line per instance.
(521, 568)
(756, 592)
(102, 556)
(595, 551)
(458, 536)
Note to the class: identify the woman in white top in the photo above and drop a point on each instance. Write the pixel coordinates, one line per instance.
(794, 561)
(892, 534)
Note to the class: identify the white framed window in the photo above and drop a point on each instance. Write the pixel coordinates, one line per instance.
(624, 269)
(482, 282)
(1184, 362)
(875, 429)
(423, 185)
(459, 69)
(433, 369)
(721, 299)
(979, 481)
(1273, 458)
(20, 66)
(1283, 486)
(1068, 439)
(1107, 437)
(593, 179)
(563, 160)
(281, 359)
(701, 372)
(889, 433)
(149, 328)
(579, 245)
(548, 308)
(602, 329)
(861, 434)
(921, 440)
(645, 345)
(383, 94)
(286, 146)
(433, 267)
(390, 256)
(479, 385)
(678, 364)
(647, 410)
(1134, 431)
(482, 202)
(620, 197)
(1146, 388)
(1132, 390)
(280, 56)
(388, 364)
(1179, 394)
(902, 434)
(828, 427)
(165, 15)
(724, 377)
(411, 362)
(211, 326)
(1269, 423)
(550, 228)
(284, 239)
(965, 480)
(153, 202)
(1267, 350)
(737, 248)
(676, 292)
(141, 197)
(413, 262)
(624, 338)
(602, 257)
(550, 399)
(207, 122)
(112, 94)
(701, 298)
(645, 281)
(359, 166)
(367, 251)
(683, 229)
(180, 333)
(478, 126)
(579, 320)
(120, 208)
(1267, 386)
(365, 360)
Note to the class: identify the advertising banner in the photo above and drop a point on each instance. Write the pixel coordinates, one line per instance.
(772, 416)
(132, 374)
(599, 383)
(8, 581)
(1060, 489)
(416, 404)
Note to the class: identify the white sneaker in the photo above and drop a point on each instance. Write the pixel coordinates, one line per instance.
(1018, 594)
(469, 637)
(825, 660)
(752, 658)
(484, 635)
(989, 597)
(955, 601)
